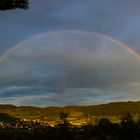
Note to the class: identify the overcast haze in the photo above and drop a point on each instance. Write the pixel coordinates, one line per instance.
(70, 66)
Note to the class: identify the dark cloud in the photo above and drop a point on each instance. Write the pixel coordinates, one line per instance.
(70, 67)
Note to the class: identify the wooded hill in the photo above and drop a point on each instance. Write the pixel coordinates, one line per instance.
(110, 109)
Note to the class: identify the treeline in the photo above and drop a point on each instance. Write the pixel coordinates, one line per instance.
(110, 109)
(13, 4)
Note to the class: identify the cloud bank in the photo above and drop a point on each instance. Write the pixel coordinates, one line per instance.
(69, 68)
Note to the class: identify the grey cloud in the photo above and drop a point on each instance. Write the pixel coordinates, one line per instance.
(77, 67)
(70, 56)
(81, 96)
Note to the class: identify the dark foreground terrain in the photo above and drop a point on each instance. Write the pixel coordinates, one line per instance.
(103, 130)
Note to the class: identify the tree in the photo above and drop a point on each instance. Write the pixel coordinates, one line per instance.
(127, 120)
(63, 117)
(127, 127)
(14, 4)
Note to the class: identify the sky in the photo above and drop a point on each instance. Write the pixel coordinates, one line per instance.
(70, 53)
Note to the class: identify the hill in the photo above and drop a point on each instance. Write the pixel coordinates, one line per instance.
(110, 109)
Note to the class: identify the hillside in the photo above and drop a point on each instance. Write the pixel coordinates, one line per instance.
(110, 109)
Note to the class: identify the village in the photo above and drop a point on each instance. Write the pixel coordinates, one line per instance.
(37, 123)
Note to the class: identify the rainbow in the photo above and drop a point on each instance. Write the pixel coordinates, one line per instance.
(82, 31)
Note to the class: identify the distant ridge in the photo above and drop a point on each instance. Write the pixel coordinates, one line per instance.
(109, 109)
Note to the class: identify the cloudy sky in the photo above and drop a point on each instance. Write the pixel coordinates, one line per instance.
(70, 53)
